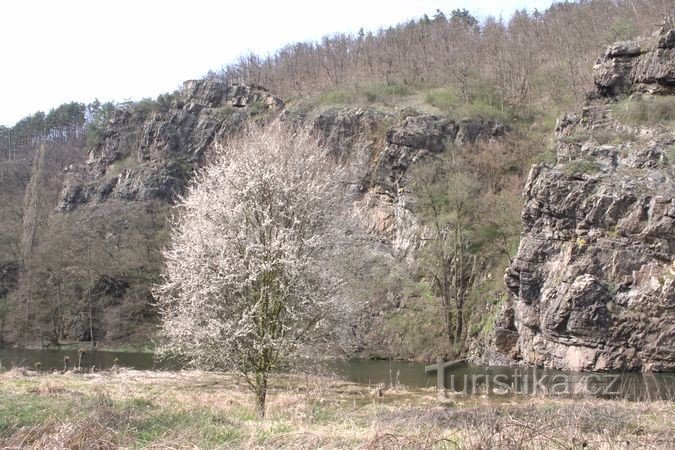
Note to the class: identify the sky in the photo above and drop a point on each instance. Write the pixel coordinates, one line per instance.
(117, 50)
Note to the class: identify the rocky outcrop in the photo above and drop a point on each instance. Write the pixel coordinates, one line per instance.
(635, 66)
(380, 148)
(593, 283)
(149, 152)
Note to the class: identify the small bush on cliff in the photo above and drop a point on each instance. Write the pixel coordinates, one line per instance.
(576, 138)
(580, 166)
(646, 111)
(670, 154)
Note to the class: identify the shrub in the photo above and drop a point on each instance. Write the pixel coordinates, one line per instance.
(576, 138)
(121, 164)
(385, 93)
(646, 111)
(442, 98)
(548, 156)
(336, 96)
(581, 166)
(606, 136)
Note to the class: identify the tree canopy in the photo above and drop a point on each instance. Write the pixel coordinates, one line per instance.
(248, 281)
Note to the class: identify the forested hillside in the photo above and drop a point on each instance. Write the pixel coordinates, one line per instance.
(439, 120)
(518, 66)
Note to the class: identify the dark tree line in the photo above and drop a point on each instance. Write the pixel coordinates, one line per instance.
(64, 123)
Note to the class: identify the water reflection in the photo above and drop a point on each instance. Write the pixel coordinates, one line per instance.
(467, 379)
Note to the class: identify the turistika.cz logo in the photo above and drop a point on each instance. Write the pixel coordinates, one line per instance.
(527, 382)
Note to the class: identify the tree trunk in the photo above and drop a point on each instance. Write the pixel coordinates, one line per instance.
(260, 393)
(91, 322)
(448, 323)
(447, 309)
(90, 300)
(460, 327)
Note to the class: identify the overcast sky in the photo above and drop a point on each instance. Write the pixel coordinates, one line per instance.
(58, 51)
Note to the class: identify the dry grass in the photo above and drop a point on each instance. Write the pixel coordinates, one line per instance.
(205, 410)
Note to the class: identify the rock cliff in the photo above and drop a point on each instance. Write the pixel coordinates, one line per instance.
(112, 207)
(149, 154)
(380, 147)
(593, 283)
(637, 67)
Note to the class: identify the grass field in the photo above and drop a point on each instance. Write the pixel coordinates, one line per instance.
(138, 409)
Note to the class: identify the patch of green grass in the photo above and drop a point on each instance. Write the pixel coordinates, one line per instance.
(118, 166)
(575, 138)
(385, 93)
(135, 403)
(28, 409)
(479, 109)
(581, 166)
(211, 428)
(115, 410)
(242, 413)
(653, 110)
(338, 96)
(447, 100)
(379, 93)
(604, 136)
(263, 435)
(323, 413)
(257, 108)
(442, 98)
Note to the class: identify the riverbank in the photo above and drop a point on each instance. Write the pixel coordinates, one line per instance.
(129, 408)
(87, 346)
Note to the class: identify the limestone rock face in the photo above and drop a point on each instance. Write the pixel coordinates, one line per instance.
(146, 155)
(593, 283)
(628, 67)
(380, 148)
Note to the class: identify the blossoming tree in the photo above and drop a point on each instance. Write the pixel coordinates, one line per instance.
(249, 283)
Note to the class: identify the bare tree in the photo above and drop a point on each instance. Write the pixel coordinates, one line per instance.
(447, 206)
(249, 280)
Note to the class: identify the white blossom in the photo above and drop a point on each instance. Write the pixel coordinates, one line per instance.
(249, 280)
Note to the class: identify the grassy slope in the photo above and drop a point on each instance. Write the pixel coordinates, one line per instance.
(193, 409)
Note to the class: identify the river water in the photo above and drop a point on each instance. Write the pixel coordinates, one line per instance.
(469, 379)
